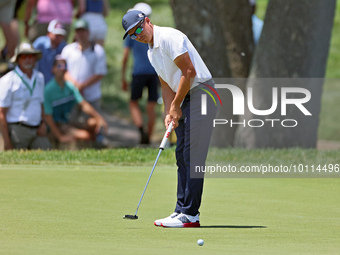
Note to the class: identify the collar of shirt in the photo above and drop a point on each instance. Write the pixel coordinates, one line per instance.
(80, 48)
(156, 37)
(30, 81)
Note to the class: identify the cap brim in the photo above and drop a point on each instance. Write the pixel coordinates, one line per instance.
(15, 57)
(60, 32)
(85, 28)
(129, 28)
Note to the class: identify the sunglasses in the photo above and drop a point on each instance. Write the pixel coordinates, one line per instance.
(25, 56)
(62, 66)
(138, 31)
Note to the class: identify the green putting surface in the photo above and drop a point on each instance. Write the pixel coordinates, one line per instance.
(79, 209)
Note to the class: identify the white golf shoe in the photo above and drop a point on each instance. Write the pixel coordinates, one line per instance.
(158, 223)
(181, 221)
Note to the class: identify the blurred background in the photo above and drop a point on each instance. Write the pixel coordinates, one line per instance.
(222, 32)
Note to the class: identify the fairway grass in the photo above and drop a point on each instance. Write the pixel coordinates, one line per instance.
(78, 209)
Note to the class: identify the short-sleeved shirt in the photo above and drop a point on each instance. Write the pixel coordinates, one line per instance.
(168, 44)
(45, 64)
(23, 96)
(141, 63)
(94, 6)
(83, 65)
(60, 101)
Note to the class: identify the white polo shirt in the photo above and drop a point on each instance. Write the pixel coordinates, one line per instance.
(168, 44)
(22, 96)
(83, 65)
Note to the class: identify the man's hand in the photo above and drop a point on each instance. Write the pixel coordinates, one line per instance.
(167, 122)
(42, 130)
(66, 138)
(124, 85)
(8, 146)
(101, 123)
(175, 113)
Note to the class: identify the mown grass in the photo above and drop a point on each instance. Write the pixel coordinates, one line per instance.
(58, 208)
(146, 156)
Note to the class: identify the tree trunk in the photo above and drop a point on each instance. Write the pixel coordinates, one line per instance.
(198, 20)
(222, 33)
(294, 44)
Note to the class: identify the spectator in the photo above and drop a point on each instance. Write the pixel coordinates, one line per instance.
(94, 12)
(144, 75)
(6, 16)
(50, 45)
(21, 103)
(86, 64)
(60, 98)
(47, 10)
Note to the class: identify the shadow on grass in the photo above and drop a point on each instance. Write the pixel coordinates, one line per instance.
(232, 226)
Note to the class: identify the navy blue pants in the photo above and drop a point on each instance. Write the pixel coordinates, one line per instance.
(193, 138)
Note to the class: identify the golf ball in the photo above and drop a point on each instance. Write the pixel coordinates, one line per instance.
(200, 242)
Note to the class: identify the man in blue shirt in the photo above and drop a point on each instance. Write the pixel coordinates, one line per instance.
(50, 45)
(144, 75)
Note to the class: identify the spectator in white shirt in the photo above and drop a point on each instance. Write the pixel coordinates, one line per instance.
(21, 103)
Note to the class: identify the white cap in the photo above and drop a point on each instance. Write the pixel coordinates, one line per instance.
(143, 7)
(57, 28)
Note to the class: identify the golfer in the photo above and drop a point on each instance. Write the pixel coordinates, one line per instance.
(182, 73)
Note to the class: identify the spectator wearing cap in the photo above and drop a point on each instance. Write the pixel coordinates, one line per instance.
(60, 98)
(21, 102)
(47, 10)
(86, 62)
(94, 12)
(143, 75)
(50, 45)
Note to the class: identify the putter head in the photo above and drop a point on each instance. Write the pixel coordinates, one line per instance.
(130, 217)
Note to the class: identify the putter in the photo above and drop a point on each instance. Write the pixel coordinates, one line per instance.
(161, 148)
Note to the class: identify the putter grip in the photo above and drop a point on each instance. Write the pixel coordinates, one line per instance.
(166, 136)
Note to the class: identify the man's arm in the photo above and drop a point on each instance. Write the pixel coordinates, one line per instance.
(82, 85)
(29, 7)
(188, 73)
(56, 131)
(42, 130)
(81, 8)
(106, 8)
(4, 129)
(90, 81)
(88, 109)
(168, 96)
(124, 65)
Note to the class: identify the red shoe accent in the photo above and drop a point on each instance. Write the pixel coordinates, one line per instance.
(191, 225)
(186, 225)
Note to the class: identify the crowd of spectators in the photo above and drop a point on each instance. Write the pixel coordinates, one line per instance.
(52, 88)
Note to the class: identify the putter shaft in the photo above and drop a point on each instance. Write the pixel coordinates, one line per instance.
(161, 147)
(154, 165)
